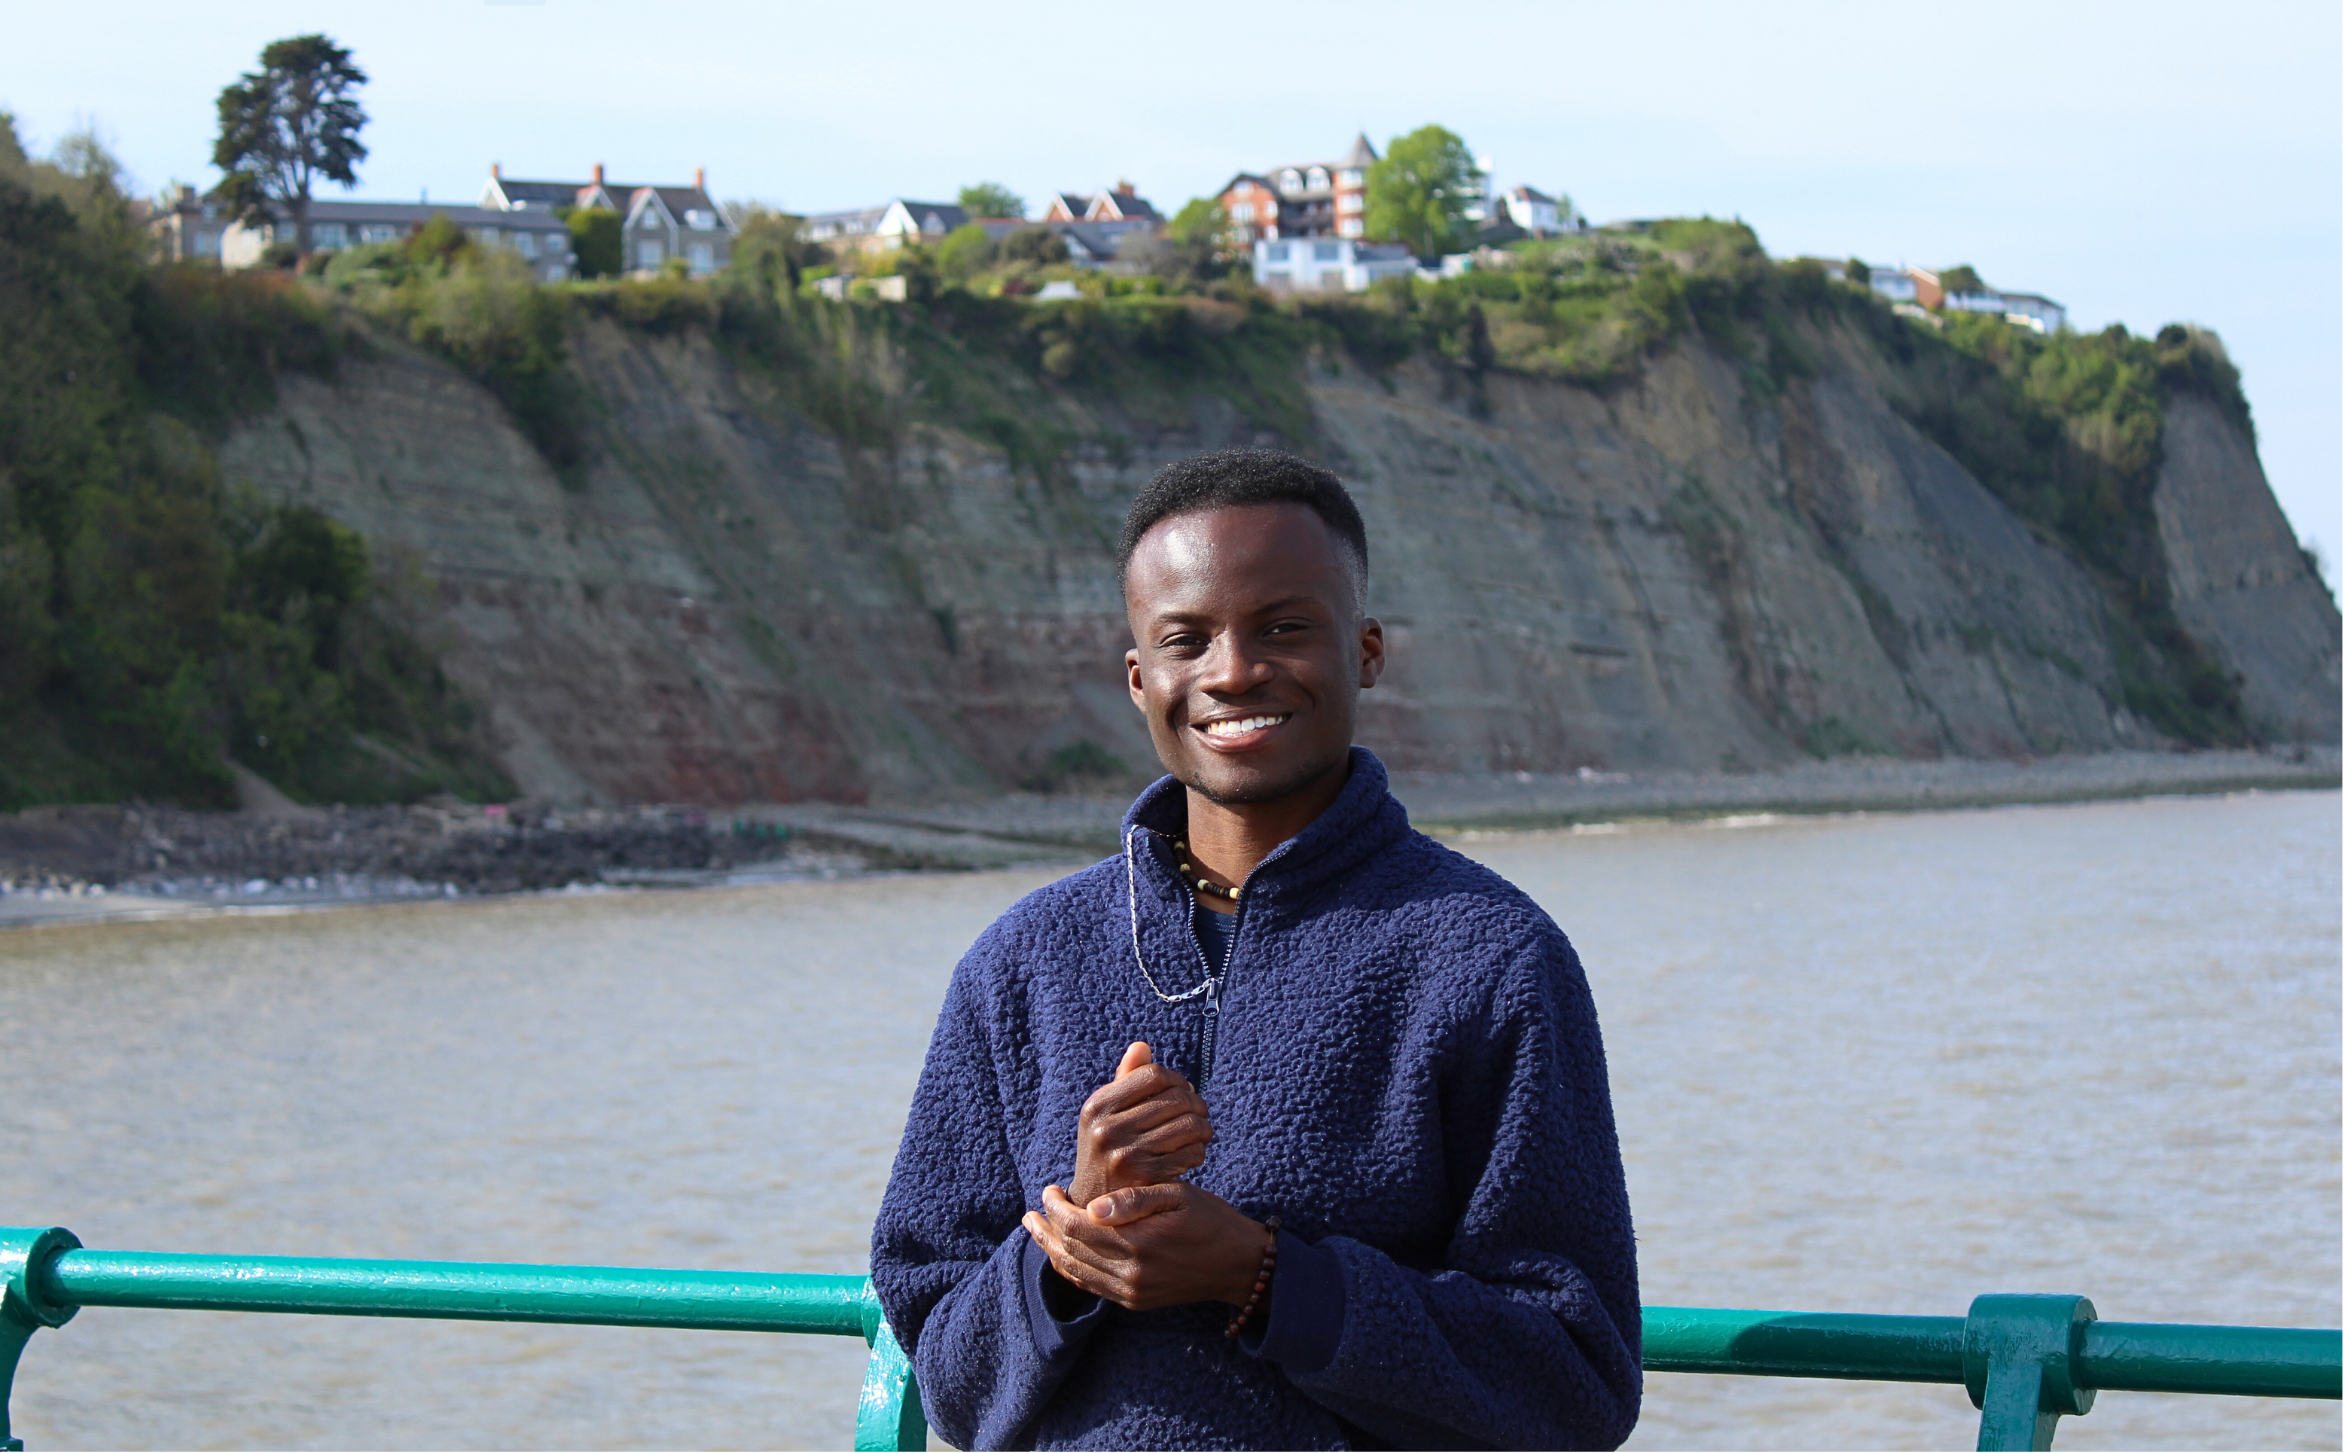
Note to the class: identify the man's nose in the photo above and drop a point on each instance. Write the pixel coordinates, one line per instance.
(1231, 669)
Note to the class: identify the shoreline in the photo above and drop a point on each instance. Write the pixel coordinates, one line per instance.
(135, 864)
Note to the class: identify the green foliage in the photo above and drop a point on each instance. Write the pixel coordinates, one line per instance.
(967, 252)
(1199, 219)
(771, 246)
(1418, 192)
(1034, 244)
(2066, 429)
(481, 309)
(287, 126)
(151, 620)
(597, 241)
(1962, 279)
(991, 200)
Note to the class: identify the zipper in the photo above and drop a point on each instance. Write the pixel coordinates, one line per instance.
(1213, 982)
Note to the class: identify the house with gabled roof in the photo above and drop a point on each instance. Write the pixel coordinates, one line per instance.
(657, 222)
(1305, 199)
(887, 226)
(1121, 203)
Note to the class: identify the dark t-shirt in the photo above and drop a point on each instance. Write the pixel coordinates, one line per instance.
(1213, 931)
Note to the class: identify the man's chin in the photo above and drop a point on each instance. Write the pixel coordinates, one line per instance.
(1227, 784)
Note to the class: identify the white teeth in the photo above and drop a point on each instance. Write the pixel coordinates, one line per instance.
(1241, 726)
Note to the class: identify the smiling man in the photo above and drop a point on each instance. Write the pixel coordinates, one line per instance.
(1286, 1126)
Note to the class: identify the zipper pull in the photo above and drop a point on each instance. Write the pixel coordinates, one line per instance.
(1212, 996)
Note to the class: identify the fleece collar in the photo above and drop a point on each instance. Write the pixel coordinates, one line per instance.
(1364, 819)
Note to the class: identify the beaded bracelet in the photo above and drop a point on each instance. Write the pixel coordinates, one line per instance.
(1261, 1281)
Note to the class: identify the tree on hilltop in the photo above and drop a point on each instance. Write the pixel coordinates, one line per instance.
(1419, 192)
(287, 126)
(991, 199)
(1962, 279)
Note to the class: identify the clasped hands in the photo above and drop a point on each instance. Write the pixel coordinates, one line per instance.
(1129, 1229)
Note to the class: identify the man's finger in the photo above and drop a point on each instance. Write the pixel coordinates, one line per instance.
(1137, 1085)
(1139, 1054)
(1135, 1203)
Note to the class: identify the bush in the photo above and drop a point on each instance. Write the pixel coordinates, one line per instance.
(596, 241)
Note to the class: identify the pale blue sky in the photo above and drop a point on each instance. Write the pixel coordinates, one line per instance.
(2139, 162)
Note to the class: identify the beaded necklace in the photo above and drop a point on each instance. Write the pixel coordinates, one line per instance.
(1210, 983)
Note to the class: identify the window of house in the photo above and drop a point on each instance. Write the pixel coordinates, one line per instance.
(700, 221)
(525, 243)
(649, 254)
(207, 244)
(702, 256)
(1318, 178)
(1242, 212)
(329, 234)
(1326, 251)
(1351, 227)
(1275, 252)
(1290, 180)
(1352, 176)
(378, 232)
(1350, 202)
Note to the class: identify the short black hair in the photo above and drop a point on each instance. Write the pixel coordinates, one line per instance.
(1229, 477)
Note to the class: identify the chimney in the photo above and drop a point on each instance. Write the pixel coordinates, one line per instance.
(1124, 189)
(700, 177)
(496, 169)
(598, 174)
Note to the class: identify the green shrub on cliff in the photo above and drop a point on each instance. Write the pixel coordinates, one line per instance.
(2066, 430)
(153, 623)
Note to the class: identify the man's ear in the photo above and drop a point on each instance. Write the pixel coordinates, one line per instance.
(1139, 697)
(1371, 651)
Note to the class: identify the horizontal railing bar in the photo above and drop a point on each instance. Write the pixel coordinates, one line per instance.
(2270, 1362)
(615, 1296)
(1862, 1346)
(2115, 1356)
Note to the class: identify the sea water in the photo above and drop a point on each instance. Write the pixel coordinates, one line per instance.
(1876, 1064)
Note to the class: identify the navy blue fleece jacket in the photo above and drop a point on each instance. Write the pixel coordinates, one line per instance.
(1402, 1062)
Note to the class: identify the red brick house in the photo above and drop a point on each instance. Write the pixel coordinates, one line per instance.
(1308, 199)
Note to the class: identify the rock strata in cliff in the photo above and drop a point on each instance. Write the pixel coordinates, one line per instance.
(1669, 574)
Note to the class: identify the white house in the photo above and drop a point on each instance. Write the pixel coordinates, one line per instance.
(1535, 212)
(1327, 264)
(2033, 310)
(887, 226)
(1895, 284)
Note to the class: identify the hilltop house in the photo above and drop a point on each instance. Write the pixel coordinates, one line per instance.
(1327, 264)
(1308, 199)
(656, 222)
(1536, 213)
(887, 226)
(188, 227)
(1123, 204)
(541, 237)
(1921, 289)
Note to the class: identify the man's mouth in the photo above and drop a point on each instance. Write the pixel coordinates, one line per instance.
(1238, 726)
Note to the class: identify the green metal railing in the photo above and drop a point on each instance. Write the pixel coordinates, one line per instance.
(2026, 1360)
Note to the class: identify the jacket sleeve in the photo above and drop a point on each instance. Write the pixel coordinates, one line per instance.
(1529, 1332)
(962, 1285)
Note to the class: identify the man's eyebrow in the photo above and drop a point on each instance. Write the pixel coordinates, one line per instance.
(1173, 615)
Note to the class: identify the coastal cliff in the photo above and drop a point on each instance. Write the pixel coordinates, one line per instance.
(1684, 568)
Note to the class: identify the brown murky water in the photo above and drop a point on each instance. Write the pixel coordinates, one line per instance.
(1876, 1064)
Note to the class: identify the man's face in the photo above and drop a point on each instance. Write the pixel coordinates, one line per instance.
(1252, 650)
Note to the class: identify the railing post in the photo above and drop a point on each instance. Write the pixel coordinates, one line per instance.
(2019, 1357)
(890, 1416)
(24, 1250)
